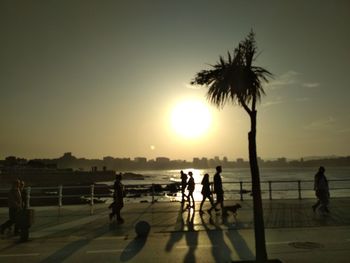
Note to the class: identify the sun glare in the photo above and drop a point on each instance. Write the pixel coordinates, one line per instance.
(191, 119)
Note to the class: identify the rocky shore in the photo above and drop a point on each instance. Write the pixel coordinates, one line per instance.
(76, 188)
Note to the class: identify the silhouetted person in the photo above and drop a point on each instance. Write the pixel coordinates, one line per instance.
(15, 206)
(23, 194)
(118, 202)
(218, 190)
(183, 186)
(206, 192)
(322, 191)
(190, 188)
(23, 222)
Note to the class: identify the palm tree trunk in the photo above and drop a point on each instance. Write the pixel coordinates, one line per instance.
(259, 228)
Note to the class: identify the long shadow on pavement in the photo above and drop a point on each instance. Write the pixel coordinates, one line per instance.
(191, 239)
(238, 243)
(142, 229)
(176, 236)
(68, 250)
(220, 250)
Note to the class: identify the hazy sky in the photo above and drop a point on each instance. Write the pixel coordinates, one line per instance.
(100, 78)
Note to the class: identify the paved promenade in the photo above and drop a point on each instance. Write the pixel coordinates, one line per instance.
(294, 233)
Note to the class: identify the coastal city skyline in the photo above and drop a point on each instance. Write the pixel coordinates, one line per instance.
(143, 158)
(69, 161)
(113, 78)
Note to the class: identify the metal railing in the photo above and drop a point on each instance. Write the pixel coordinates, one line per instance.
(234, 190)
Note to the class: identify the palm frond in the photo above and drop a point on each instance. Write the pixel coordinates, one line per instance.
(235, 79)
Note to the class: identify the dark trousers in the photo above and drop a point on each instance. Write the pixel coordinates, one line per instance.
(203, 200)
(13, 213)
(116, 207)
(219, 200)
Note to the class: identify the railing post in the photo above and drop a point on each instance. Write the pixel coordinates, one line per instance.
(59, 199)
(92, 188)
(59, 195)
(270, 190)
(28, 197)
(241, 190)
(299, 189)
(152, 193)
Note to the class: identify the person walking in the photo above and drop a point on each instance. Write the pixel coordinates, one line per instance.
(206, 192)
(23, 194)
(322, 191)
(218, 190)
(15, 206)
(24, 215)
(118, 196)
(183, 186)
(190, 188)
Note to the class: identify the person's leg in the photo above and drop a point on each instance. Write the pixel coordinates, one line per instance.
(327, 203)
(201, 205)
(314, 207)
(118, 209)
(318, 203)
(113, 213)
(189, 200)
(323, 203)
(220, 200)
(211, 200)
(214, 204)
(326, 209)
(119, 218)
(10, 221)
(4, 226)
(193, 204)
(24, 234)
(19, 221)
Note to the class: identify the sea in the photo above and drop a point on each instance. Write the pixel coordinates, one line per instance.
(276, 183)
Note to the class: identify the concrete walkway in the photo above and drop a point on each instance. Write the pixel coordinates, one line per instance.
(294, 233)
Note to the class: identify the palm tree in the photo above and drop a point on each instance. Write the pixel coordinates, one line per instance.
(236, 80)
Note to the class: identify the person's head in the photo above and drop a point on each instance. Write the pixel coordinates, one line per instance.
(219, 168)
(321, 169)
(181, 172)
(206, 177)
(190, 174)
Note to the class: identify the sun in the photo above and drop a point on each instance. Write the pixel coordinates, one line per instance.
(191, 119)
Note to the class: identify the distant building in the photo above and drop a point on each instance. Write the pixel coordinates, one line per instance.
(196, 162)
(217, 159)
(140, 160)
(162, 160)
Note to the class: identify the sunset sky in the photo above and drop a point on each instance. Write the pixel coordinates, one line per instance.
(102, 78)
